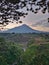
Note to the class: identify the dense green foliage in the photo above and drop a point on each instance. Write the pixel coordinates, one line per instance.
(13, 54)
(37, 55)
(10, 53)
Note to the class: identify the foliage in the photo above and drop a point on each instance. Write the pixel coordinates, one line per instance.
(13, 54)
(10, 53)
(10, 9)
(36, 55)
(32, 41)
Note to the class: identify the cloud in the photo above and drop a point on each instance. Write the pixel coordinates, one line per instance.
(43, 23)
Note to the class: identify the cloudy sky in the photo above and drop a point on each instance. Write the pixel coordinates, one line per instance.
(35, 21)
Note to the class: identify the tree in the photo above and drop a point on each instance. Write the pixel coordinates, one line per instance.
(36, 55)
(9, 9)
(40, 60)
(10, 53)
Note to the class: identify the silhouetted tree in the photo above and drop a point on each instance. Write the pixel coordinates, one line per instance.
(9, 9)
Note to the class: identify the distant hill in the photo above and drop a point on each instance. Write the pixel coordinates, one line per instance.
(21, 29)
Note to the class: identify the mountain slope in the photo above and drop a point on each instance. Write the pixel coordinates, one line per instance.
(22, 29)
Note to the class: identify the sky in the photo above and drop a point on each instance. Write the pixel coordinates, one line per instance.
(35, 21)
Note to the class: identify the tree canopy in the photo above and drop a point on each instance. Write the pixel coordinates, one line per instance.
(14, 54)
(9, 9)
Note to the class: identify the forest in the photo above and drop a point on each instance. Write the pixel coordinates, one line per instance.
(36, 50)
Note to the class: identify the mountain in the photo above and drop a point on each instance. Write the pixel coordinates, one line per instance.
(22, 29)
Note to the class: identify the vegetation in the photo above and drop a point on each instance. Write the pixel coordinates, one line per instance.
(14, 54)
(37, 55)
(9, 9)
(10, 53)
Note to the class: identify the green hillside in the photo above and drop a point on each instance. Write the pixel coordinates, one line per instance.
(12, 49)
